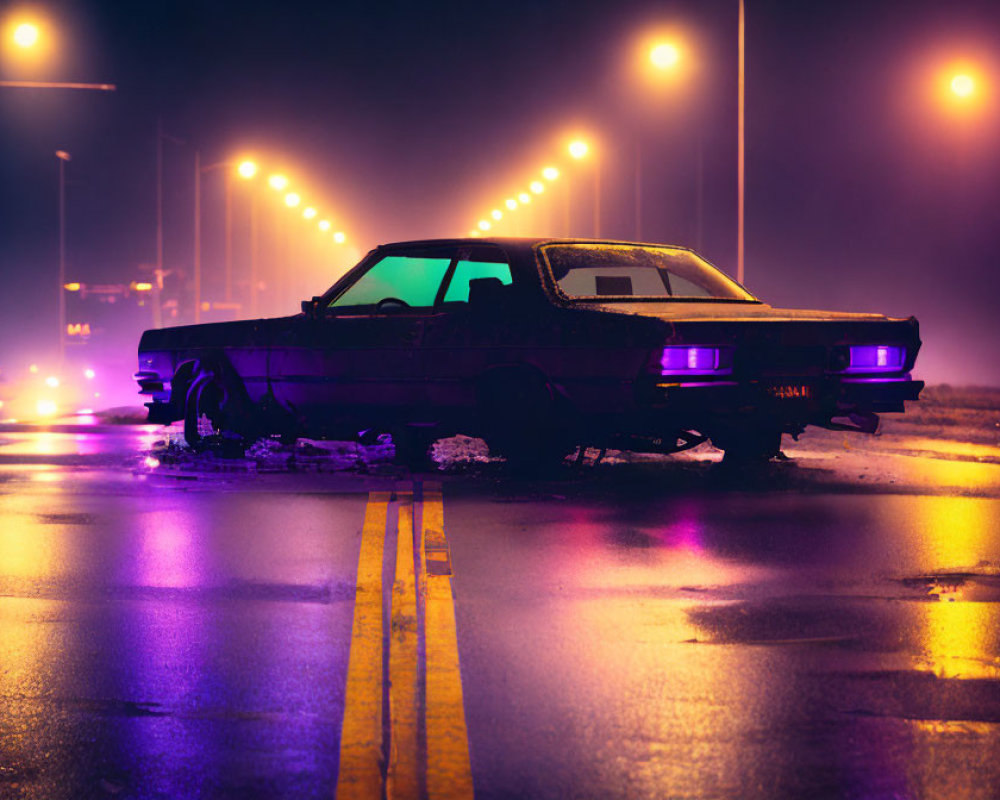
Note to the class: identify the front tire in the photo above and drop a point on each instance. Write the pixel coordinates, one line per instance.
(212, 411)
(753, 446)
(520, 422)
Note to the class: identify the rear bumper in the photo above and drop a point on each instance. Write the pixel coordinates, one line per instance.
(798, 400)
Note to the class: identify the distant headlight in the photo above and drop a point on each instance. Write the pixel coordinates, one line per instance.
(875, 358)
(691, 360)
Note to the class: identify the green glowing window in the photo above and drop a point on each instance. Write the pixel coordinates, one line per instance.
(414, 280)
(465, 271)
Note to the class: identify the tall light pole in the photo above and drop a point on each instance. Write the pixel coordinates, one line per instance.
(740, 148)
(197, 237)
(199, 170)
(579, 149)
(247, 170)
(63, 157)
(663, 60)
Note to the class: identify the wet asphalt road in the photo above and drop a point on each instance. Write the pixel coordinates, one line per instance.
(829, 627)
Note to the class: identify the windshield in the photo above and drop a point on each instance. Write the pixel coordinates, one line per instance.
(629, 272)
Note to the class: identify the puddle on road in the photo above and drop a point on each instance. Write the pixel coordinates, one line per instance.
(981, 585)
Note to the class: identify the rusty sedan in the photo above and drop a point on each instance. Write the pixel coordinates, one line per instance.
(536, 346)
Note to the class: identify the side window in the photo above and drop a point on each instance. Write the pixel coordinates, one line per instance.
(413, 279)
(465, 271)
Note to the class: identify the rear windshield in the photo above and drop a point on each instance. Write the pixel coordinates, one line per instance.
(629, 272)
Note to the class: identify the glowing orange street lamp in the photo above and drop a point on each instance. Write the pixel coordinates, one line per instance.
(246, 169)
(578, 149)
(550, 173)
(339, 237)
(664, 56)
(324, 225)
(963, 85)
(278, 182)
(31, 44)
(292, 199)
(309, 212)
(25, 35)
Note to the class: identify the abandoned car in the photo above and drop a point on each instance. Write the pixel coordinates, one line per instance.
(536, 346)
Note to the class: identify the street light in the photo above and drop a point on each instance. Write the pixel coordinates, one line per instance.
(63, 157)
(26, 35)
(278, 182)
(292, 199)
(324, 225)
(963, 85)
(578, 149)
(664, 56)
(247, 170)
(309, 212)
(339, 237)
(32, 44)
(550, 173)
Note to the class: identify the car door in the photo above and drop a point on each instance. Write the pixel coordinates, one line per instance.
(461, 342)
(359, 358)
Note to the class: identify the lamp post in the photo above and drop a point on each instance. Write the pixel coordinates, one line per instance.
(63, 157)
(579, 149)
(664, 59)
(247, 170)
(199, 170)
(741, 140)
(30, 44)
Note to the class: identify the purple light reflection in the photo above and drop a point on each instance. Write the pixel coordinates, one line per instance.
(685, 531)
(170, 552)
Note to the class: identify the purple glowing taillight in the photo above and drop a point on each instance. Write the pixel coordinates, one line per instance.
(876, 358)
(690, 360)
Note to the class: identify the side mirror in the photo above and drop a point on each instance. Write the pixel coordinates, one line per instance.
(310, 307)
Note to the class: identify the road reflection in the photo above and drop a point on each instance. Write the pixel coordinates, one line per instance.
(960, 636)
(165, 642)
(32, 654)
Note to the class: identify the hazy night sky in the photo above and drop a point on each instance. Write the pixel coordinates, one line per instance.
(412, 120)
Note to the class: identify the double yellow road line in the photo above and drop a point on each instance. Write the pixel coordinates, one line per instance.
(379, 760)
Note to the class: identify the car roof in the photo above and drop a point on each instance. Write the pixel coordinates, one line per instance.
(522, 243)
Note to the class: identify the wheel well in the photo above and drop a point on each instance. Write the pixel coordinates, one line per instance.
(180, 382)
(217, 365)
